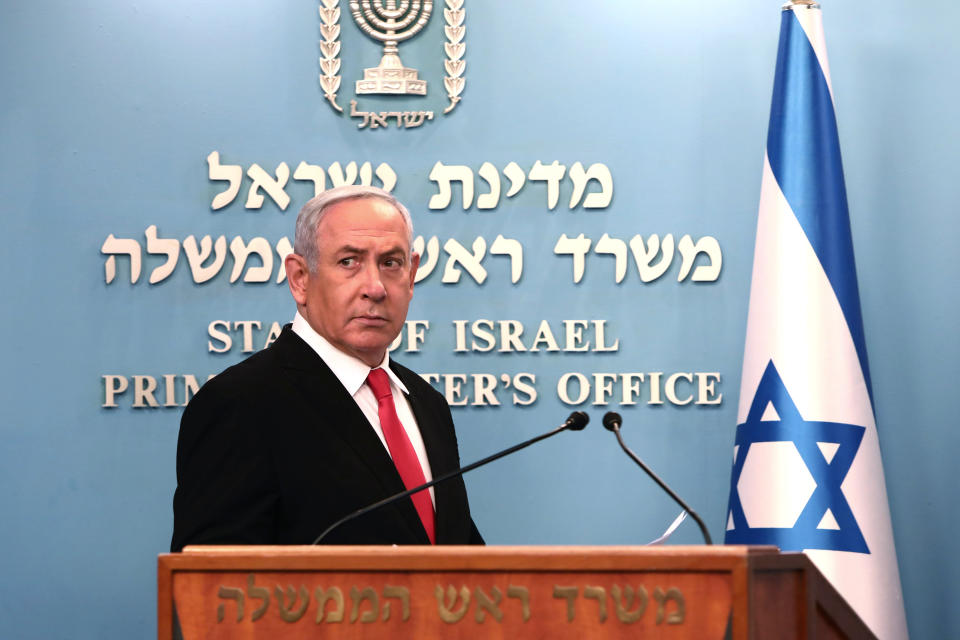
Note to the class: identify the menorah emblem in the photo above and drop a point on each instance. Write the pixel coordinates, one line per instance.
(391, 24)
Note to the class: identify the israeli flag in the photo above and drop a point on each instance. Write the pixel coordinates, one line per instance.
(807, 473)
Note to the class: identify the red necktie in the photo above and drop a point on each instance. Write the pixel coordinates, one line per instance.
(404, 457)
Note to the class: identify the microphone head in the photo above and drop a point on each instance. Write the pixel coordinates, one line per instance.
(577, 421)
(612, 420)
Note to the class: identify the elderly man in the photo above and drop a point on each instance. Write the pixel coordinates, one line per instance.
(322, 423)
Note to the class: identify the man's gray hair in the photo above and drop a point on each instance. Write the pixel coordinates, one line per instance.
(308, 221)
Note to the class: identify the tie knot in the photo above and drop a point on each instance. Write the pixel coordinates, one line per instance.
(379, 383)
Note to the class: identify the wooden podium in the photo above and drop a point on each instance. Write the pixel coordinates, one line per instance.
(427, 593)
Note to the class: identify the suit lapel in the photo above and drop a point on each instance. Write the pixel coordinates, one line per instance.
(336, 411)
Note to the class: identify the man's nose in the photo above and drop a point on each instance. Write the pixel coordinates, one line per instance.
(373, 288)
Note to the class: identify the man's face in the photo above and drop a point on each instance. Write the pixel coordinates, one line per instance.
(358, 293)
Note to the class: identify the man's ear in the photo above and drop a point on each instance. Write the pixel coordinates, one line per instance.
(298, 277)
(414, 265)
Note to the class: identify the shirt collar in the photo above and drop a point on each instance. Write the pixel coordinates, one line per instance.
(350, 371)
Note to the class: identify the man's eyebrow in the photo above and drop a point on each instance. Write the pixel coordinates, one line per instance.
(396, 249)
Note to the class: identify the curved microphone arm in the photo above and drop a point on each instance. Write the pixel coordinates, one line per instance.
(612, 422)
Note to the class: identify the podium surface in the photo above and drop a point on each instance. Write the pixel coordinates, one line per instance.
(735, 592)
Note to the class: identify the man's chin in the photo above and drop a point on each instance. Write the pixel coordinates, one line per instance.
(370, 346)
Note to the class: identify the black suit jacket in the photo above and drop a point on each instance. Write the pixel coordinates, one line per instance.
(274, 450)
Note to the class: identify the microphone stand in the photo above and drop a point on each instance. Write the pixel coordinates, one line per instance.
(612, 422)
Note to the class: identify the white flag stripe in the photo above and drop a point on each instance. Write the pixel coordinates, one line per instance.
(796, 321)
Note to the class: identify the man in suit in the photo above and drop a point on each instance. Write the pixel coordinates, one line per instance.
(322, 422)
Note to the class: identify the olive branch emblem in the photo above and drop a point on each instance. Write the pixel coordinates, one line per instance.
(454, 47)
(330, 51)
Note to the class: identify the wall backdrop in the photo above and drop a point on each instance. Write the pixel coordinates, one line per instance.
(586, 211)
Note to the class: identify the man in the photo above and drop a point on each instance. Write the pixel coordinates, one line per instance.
(322, 422)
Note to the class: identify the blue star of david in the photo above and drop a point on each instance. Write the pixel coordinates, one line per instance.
(828, 476)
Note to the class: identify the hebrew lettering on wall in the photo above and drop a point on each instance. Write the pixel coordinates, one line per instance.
(382, 119)
(591, 187)
(257, 261)
(652, 257)
(276, 182)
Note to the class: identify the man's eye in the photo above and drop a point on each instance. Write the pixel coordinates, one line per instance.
(348, 262)
(393, 263)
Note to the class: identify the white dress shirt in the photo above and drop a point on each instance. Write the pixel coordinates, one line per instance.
(352, 374)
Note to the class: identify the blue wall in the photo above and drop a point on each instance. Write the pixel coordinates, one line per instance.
(108, 114)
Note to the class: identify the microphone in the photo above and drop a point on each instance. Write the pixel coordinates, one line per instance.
(576, 422)
(612, 422)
